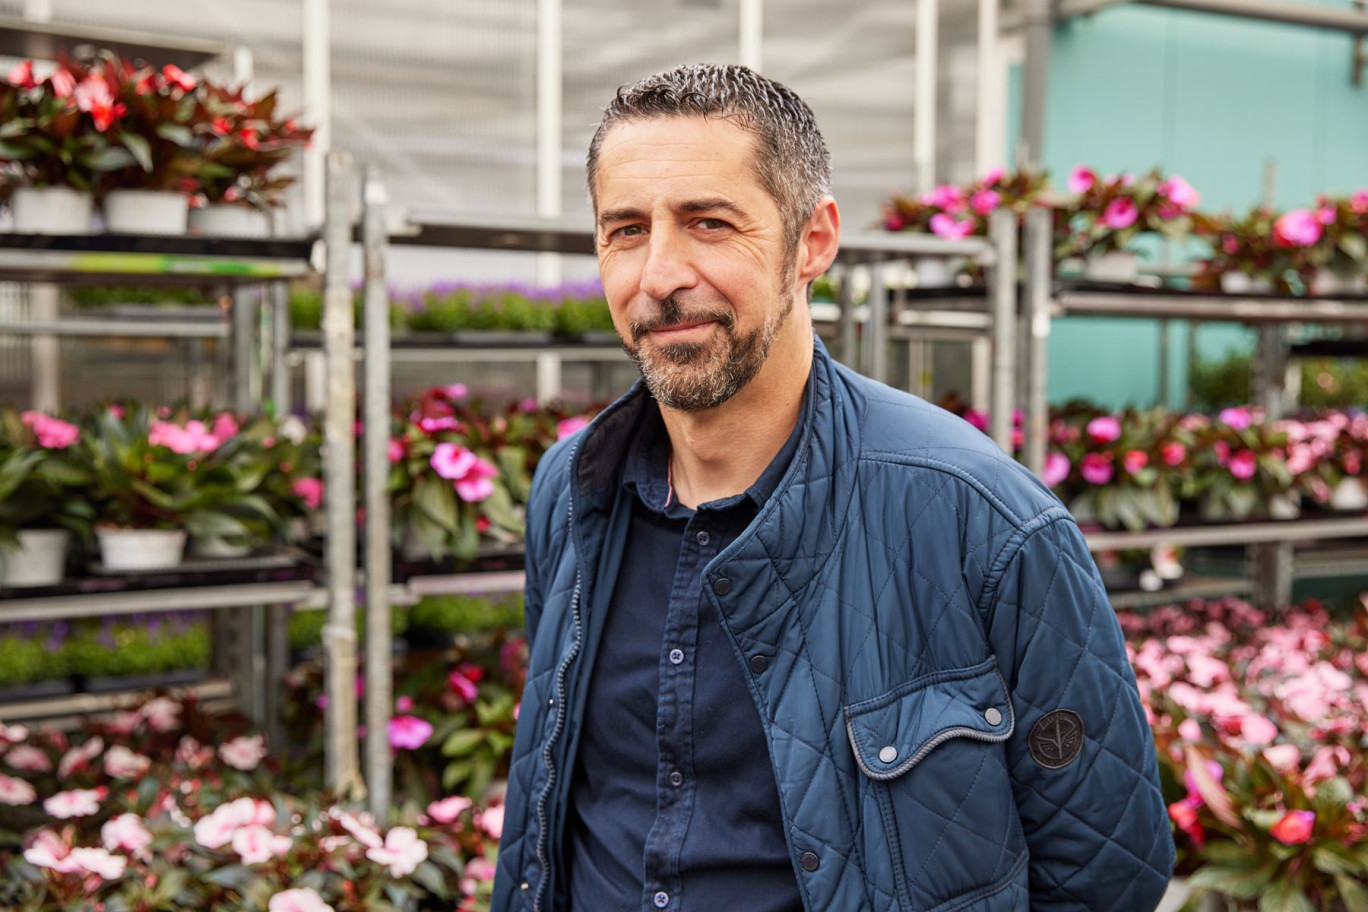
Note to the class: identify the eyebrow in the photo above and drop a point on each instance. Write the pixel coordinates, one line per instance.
(710, 204)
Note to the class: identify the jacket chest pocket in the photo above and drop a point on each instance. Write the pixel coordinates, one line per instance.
(935, 792)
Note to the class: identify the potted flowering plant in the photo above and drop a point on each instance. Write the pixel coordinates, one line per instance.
(1241, 467)
(1258, 734)
(1105, 215)
(244, 143)
(58, 143)
(42, 498)
(1341, 258)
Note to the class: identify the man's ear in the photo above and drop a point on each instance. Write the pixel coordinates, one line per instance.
(820, 240)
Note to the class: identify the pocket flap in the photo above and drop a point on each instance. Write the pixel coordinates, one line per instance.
(891, 733)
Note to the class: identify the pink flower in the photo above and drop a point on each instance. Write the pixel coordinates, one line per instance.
(1096, 469)
(993, 177)
(439, 423)
(48, 850)
(478, 870)
(63, 83)
(1258, 730)
(1120, 213)
(1327, 215)
(12, 734)
(258, 845)
(1056, 469)
(947, 226)
(402, 852)
(894, 222)
(78, 758)
(947, 196)
(1104, 429)
(99, 863)
(409, 732)
(492, 820)
(162, 714)
(126, 833)
(456, 391)
(225, 426)
(1244, 464)
(571, 426)
(22, 76)
(1180, 192)
(977, 419)
(74, 803)
(190, 753)
(1294, 828)
(244, 753)
(1325, 764)
(1283, 757)
(311, 490)
(1297, 228)
(193, 438)
(1135, 460)
(122, 763)
(28, 759)
(16, 792)
(52, 433)
(396, 451)
(1359, 201)
(473, 475)
(985, 201)
(1185, 818)
(1190, 730)
(362, 829)
(465, 688)
(1082, 179)
(1173, 453)
(404, 704)
(1237, 418)
(448, 809)
(298, 900)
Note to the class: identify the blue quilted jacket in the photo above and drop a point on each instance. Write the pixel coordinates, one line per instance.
(921, 602)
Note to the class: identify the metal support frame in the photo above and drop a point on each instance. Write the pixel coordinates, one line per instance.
(1003, 287)
(750, 34)
(379, 678)
(874, 352)
(848, 345)
(1039, 35)
(550, 112)
(339, 470)
(246, 373)
(317, 50)
(281, 395)
(1039, 276)
(45, 351)
(924, 88)
(1270, 565)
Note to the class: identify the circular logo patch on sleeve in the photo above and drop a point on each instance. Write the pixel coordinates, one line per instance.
(1057, 739)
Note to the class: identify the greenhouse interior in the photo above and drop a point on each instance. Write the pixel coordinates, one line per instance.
(1039, 541)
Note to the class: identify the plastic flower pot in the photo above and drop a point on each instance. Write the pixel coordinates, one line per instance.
(141, 549)
(39, 561)
(1243, 283)
(226, 220)
(146, 212)
(1284, 506)
(1118, 267)
(51, 210)
(1351, 494)
(1327, 284)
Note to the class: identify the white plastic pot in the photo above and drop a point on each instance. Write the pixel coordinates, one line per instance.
(1119, 267)
(1242, 283)
(141, 549)
(1351, 494)
(39, 561)
(1327, 283)
(146, 212)
(1284, 506)
(935, 272)
(51, 210)
(223, 220)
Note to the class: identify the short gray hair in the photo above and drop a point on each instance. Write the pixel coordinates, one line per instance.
(791, 158)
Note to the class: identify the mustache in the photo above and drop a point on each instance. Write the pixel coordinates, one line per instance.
(672, 312)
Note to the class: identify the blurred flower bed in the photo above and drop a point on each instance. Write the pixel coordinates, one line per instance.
(1260, 720)
(1142, 468)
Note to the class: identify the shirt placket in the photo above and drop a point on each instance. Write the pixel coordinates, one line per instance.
(676, 792)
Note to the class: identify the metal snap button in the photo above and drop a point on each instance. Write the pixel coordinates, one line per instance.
(722, 586)
(992, 716)
(888, 754)
(809, 861)
(758, 664)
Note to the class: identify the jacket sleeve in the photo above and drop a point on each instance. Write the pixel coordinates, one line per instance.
(1095, 823)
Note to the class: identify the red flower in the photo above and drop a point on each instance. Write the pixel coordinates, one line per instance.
(1135, 460)
(250, 140)
(63, 83)
(177, 77)
(222, 126)
(1185, 818)
(1295, 827)
(95, 96)
(22, 75)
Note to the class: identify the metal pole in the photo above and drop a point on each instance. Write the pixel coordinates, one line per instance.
(550, 111)
(1039, 33)
(876, 326)
(988, 110)
(339, 470)
(317, 105)
(280, 348)
(924, 89)
(244, 348)
(45, 351)
(379, 683)
(1003, 227)
(1271, 564)
(1039, 225)
(751, 34)
(847, 350)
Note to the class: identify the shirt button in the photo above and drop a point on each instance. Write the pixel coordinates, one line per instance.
(662, 899)
(808, 861)
(722, 586)
(676, 656)
(703, 538)
(524, 886)
(758, 664)
(676, 778)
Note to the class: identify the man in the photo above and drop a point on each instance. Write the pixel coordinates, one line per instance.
(799, 641)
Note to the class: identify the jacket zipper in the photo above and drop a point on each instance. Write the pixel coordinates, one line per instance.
(543, 862)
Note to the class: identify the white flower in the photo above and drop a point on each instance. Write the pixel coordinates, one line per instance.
(79, 757)
(299, 900)
(100, 863)
(49, 851)
(16, 791)
(362, 829)
(217, 829)
(75, 803)
(244, 753)
(127, 833)
(402, 852)
(29, 759)
(126, 722)
(257, 844)
(162, 714)
(13, 734)
(292, 429)
(193, 754)
(122, 763)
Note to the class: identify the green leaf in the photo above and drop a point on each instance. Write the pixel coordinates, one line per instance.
(462, 742)
(429, 875)
(1284, 896)
(1352, 892)
(110, 158)
(498, 506)
(1335, 859)
(176, 133)
(1246, 883)
(212, 524)
(1333, 794)
(138, 147)
(437, 499)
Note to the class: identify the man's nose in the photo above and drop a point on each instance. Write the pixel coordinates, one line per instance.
(668, 267)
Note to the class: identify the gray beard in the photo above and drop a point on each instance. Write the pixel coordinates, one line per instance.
(693, 377)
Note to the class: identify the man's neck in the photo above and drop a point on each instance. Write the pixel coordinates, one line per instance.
(721, 452)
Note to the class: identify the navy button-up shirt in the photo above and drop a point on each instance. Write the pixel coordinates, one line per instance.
(673, 803)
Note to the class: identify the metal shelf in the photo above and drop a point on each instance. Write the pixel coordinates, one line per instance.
(65, 711)
(154, 601)
(1248, 533)
(127, 329)
(21, 37)
(112, 259)
(1153, 303)
(1192, 587)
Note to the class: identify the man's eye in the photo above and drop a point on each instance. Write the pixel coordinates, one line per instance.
(626, 231)
(711, 224)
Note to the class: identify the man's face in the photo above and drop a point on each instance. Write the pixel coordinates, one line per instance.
(693, 256)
